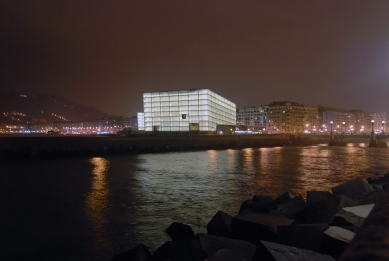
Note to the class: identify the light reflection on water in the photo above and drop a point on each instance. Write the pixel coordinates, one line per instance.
(97, 199)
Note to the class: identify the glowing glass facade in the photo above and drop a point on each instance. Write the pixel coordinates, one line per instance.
(141, 120)
(187, 110)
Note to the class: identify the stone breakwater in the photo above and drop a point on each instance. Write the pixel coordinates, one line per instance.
(349, 223)
(65, 145)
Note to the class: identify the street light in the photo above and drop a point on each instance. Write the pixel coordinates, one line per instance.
(343, 123)
(372, 126)
(331, 122)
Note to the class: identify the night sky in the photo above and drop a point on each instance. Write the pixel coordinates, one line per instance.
(105, 54)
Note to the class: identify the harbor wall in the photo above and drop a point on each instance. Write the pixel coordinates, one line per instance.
(88, 145)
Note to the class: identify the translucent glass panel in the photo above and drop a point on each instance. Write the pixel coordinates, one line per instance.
(141, 121)
(174, 111)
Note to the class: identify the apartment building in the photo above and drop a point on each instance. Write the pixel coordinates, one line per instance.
(291, 117)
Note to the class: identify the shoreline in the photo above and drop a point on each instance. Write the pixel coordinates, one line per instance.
(340, 224)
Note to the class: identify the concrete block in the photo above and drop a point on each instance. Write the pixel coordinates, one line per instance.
(382, 180)
(306, 236)
(180, 250)
(213, 246)
(370, 198)
(293, 209)
(378, 187)
(318, 196)
(139, 253)
(179, 231)
(269, 251)
(354, 216)
(261, 203)
(353, 188)
(225, 255)
(371, 240)
(254, 227)
(325, 211)
(262, 198)
(335, 240)
(220, 225)
(361, 211)
(283, 198)
(257, 206)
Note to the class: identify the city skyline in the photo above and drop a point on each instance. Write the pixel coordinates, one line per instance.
(106, 55)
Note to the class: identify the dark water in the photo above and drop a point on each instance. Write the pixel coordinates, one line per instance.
(91, 209)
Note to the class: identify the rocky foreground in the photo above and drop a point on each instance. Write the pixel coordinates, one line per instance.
(351, 223)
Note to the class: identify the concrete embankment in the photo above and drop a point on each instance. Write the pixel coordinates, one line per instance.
(65, 145)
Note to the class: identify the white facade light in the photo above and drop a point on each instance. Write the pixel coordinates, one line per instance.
(186, 110)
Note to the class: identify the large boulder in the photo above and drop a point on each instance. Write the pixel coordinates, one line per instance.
(370, 198)
(179, 231)
(293, 209)
(139, 253)
(220, 225)
(252, 206)
(354, 216)
(382, 180)
(306, 236)
(283, 198)
(353, 188)
(335, 240)
(318, 196)
(254, 227)
(218, 247)
(259, 203)
(269, 251)
(225, 255)
(180, 250)
(325, 211)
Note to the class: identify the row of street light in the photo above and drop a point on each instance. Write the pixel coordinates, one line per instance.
(372, 126)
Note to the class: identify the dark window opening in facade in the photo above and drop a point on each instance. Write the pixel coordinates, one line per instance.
(183, 116)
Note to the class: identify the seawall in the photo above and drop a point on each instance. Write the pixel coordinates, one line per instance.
(19, 146)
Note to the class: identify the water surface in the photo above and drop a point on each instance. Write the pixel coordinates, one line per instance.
(92, 209)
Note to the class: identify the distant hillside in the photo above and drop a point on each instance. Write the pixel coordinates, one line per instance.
(20, 108)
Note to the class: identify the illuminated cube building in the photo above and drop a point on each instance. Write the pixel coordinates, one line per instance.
(186, 110)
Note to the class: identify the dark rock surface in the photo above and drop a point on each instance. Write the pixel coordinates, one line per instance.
(259, 206)
(353, 216)
(275, 252)
(179, 231)
(369, 198)
(293, 209)
(254, 227)
(283, 198)
(325, 211)
(353, 188)
(318, 196)
(220, 224)
(306, 236)
(236, 248)
(372, 239)
(180, 250)
(225, 255)
(139, 253)
(378, 180)
(335, 240)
